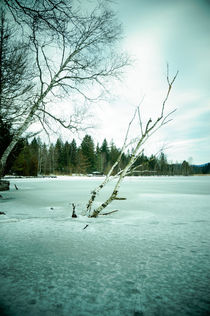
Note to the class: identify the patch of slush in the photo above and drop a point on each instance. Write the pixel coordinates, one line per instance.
(150, 258)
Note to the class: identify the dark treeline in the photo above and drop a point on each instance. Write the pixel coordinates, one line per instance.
(36, 158)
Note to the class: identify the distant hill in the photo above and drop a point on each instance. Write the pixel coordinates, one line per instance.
(202, 165)
(203, 168)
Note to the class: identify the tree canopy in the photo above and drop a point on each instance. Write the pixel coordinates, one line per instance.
(61, 52)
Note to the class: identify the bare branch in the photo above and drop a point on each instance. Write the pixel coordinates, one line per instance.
(139, 115)
(47, 62)
(44, 128)
(170, 83)
(150, 129)
(84, 44)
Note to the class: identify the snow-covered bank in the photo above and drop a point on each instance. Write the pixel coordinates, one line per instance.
(150, 258)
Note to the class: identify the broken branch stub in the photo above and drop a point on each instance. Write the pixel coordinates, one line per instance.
(74, 215)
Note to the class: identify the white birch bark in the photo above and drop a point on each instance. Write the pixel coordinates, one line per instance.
(108, 176)
(27, 122)
(150, 129)
(32, 112)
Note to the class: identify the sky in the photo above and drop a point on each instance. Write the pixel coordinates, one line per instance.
(155, 33)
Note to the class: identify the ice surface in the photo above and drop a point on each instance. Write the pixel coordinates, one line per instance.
(150, 258)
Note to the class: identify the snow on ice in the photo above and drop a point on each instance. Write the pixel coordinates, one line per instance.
(150, 258)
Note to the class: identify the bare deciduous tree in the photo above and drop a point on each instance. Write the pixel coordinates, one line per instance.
(70, 52)
(145, 133)
(15, 85)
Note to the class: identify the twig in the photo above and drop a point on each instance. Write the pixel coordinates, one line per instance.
(109, 212)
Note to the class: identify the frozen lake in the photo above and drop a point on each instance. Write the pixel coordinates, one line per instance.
(150, 258)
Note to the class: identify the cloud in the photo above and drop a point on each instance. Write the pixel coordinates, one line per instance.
(157, 32)
(198, 149)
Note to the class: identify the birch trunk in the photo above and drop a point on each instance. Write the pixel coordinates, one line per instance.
(20, 132)
(117, 186)
(29, 118)
(12, 144)
(97, 190)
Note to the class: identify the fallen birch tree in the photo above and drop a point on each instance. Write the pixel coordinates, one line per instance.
(145, 133)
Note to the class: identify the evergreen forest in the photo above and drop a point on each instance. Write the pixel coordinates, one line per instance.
(67, 158)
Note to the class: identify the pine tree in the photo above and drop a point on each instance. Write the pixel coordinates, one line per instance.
(34, 153)
(185, 168)
(51, 159)
(98, 158)
(23, 164)
(67, 158)
(73, 155)
(87, 147)
(59, 156)
(104, 155)
(83, 165)
(163, 165)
